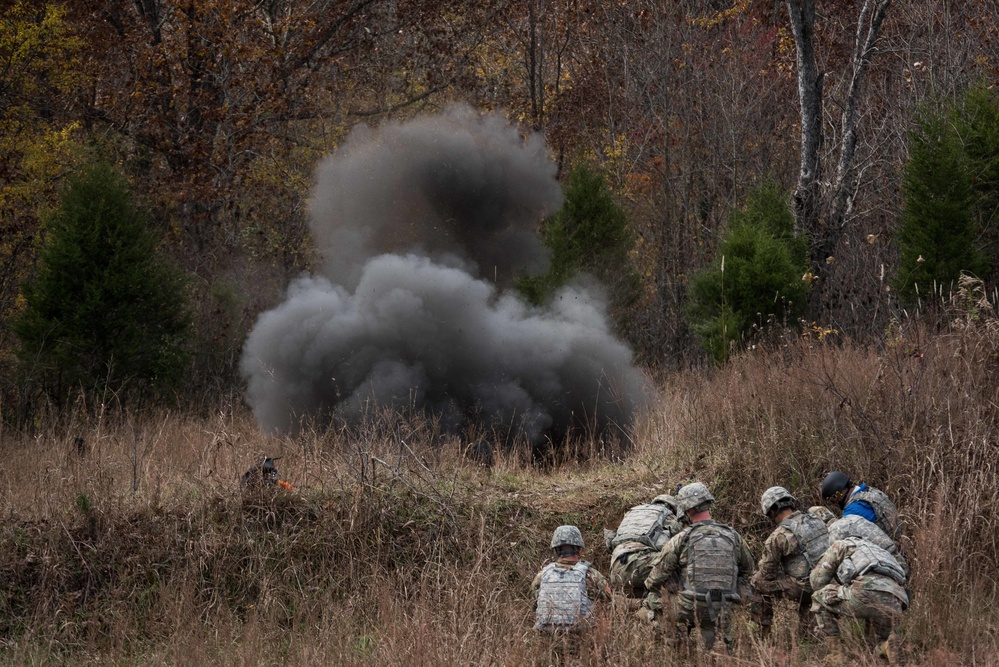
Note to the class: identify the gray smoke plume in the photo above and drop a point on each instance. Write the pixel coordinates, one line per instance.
(421, 225)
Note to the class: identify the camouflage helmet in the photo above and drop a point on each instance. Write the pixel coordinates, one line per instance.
(772, 498)
(665, 499)
(822, 513)
(692, 496)
(567, 535)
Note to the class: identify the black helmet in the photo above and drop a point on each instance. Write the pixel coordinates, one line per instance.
(835, 487)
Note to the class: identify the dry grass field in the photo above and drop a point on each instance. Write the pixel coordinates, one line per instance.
(401, 546)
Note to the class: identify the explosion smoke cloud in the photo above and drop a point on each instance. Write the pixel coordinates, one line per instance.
(421, 225)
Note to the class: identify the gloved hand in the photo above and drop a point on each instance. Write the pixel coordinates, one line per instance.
(645, 615)
(830, 595)
(653, 602)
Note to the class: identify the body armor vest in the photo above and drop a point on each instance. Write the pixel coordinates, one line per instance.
(885, 512)
(857, 526)
(712, 560)
(644, 523)
(813, 540)
(562, 599)
(869, 558)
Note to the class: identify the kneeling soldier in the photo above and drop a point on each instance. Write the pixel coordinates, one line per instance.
(703, 566)
(789, 554)
(858, 579)
(642, 533)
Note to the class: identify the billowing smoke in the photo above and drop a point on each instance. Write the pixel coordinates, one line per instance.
(423, 225)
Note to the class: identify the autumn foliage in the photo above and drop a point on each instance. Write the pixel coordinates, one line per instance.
(125, 545)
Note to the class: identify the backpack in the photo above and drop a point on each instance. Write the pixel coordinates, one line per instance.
(562, 599)
(712, 561)
(643, 523)
(868, 558)
(813, 540)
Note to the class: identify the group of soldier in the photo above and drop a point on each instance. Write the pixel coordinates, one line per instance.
(685, 571)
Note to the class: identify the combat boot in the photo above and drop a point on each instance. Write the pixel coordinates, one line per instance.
(834, 652)
(889, 650)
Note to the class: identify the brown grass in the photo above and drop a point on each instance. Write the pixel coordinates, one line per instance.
(398, 548)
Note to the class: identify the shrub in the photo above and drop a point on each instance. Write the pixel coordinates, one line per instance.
(756, 281)
(104, 312)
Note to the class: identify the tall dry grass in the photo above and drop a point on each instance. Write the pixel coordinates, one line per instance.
(400, 547)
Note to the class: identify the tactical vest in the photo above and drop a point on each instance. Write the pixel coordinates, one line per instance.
(853, 525)
(644, 523)
(885, 512)
(712, 561)
(813, 540)
(869, 558)
(562, 599)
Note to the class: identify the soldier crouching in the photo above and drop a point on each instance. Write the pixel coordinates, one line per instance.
(789, 554)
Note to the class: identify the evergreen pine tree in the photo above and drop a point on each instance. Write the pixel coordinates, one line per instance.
(588, 234)
(977, 124)
(104, 312)
(756, 282)
(937, 236)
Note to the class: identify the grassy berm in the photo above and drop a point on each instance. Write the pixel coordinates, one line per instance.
(398, 546)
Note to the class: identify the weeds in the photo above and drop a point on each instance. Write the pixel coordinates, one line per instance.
(400, 546)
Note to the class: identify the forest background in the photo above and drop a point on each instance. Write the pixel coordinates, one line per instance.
(217, 112)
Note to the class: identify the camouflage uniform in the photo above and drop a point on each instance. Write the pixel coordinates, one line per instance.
(788, 556)
(853, 525)
(689, 607)
(631, 560)
(597, 587)
(563, 643)
(876, 596)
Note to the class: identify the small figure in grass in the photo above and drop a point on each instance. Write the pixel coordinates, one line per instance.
(265, 474)
(566, 591)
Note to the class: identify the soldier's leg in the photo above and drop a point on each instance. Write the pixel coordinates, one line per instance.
(761, 611)
(826, 605)
(806, 619)
(723, 625)
(881, 612)
(684, 619)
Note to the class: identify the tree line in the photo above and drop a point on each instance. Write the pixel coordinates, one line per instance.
(752, 164)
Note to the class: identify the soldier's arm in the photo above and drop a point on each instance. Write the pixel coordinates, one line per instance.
(825, 570)
(536, 584)
(597, 587)
(666, 565)
(672, 526)
(770, 566)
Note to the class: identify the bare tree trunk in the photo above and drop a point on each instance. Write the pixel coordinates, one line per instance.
(872, 15)
(825, 225)
(806, 195)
